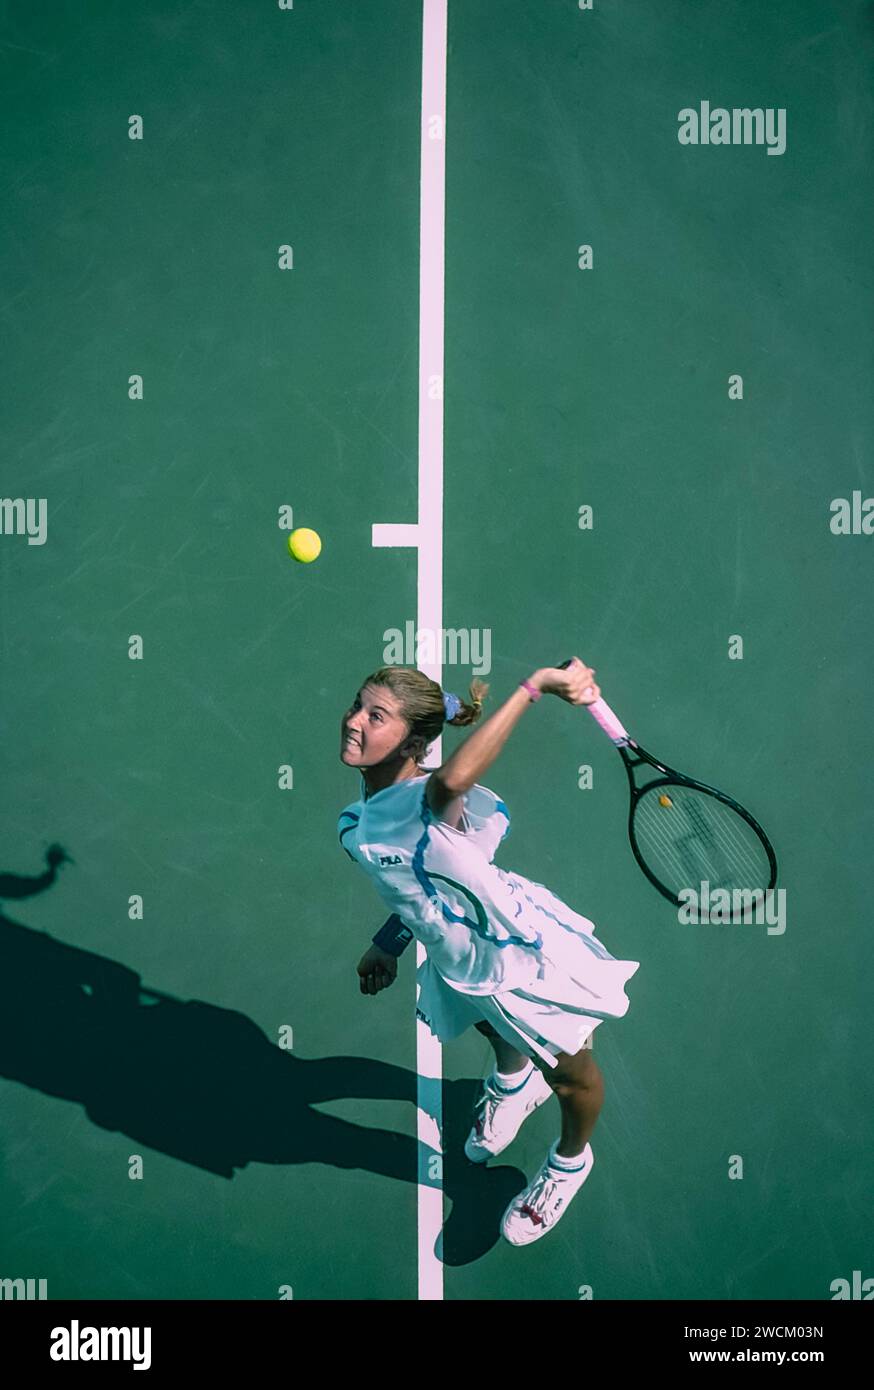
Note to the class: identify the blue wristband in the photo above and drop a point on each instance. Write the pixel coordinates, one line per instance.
(393, 937)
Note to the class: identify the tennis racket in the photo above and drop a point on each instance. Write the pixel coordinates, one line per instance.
(684, 834)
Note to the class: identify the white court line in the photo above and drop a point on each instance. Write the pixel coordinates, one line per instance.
(384, 533)
(427, 538)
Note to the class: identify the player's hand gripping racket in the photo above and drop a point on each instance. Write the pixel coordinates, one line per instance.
(684, 833)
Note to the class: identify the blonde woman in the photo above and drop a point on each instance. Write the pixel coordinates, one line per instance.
(504, 954)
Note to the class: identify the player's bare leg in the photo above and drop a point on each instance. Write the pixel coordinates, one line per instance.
(504, 1102)
(579, 1085)
(508, 1059)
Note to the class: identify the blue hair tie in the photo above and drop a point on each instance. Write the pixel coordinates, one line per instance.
(451, 704)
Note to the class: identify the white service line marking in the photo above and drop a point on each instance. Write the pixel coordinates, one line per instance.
(427, 537)
(385, 533)
(429, 1054)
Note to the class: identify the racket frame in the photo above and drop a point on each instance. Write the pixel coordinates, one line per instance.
(672, 778)
(622, 742)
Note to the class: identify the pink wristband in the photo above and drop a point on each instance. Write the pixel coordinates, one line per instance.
(533, 692)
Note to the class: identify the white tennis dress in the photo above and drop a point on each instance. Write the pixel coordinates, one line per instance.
(499, 946)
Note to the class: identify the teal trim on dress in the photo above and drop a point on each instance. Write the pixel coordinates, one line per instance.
(353, 821)
(425, 881)
(596, 947)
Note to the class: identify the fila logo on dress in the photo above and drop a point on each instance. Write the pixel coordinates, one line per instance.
(390, 859)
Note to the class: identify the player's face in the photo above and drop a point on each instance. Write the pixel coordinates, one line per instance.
(372, 728)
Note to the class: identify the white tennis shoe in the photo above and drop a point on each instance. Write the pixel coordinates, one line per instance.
(499, 1114)
(545, 1200)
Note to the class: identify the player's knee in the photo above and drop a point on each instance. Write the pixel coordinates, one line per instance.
(572, 1073)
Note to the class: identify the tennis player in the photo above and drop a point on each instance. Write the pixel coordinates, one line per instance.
(504, 954)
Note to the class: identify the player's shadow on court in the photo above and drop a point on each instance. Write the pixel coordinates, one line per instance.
(205, 1085)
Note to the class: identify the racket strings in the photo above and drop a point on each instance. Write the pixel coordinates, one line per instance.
(687, 837)
(699, 849)
(693, 848)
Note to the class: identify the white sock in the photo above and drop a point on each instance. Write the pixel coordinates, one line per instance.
(508, 1081)
(565, 1165)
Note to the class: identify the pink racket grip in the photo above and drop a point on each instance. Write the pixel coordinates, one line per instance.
(612, 727)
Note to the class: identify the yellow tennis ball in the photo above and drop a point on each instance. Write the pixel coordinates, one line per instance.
(304, 545)
(665, 800)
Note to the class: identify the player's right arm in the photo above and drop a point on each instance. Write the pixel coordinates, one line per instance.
(472, 758)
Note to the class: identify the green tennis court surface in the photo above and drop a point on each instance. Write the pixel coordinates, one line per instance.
(197, 1101)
